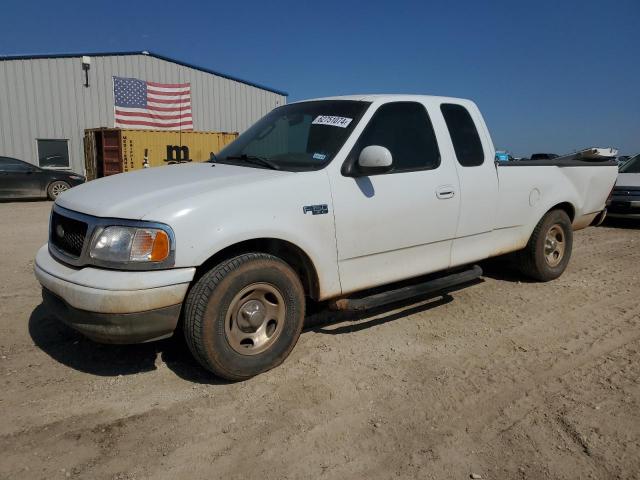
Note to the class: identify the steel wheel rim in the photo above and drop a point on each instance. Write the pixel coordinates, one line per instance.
(255, 318)
(58, 188)
(554, 245)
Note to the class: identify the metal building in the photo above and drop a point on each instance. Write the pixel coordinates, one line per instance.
(47, 101)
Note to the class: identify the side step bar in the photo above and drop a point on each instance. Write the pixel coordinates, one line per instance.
(404, 293)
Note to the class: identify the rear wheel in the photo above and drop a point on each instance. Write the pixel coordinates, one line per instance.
(549, 249)
(56, 188)
(244, 316)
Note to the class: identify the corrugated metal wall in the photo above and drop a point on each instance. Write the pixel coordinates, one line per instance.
(46, 98)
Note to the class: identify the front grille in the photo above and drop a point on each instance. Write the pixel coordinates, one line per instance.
(621, 191)
(67, 234)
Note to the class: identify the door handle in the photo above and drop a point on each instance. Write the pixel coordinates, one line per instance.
(445, 191)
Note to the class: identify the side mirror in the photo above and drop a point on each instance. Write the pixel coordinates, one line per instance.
(372, 160)
(375, 158)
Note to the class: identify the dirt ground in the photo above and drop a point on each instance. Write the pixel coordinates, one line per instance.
(504, 379)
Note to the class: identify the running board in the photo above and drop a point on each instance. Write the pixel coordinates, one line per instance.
(404, 293)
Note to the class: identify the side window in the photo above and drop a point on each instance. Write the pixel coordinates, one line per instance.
(465, 138)
(405, 129)
(53, 153)
(12, 165)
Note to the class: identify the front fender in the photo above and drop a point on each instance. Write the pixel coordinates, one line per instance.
(287, 208)
(323, 259)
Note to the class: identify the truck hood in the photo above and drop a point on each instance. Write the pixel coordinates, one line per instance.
(134, 194)
(628, 180)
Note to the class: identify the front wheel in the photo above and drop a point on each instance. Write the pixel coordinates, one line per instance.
(244, 316)
(549, 248)
(56, 188)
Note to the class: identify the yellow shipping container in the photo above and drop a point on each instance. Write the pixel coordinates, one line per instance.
(111, 150)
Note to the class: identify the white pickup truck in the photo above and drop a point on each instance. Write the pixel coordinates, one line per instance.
(318, 199)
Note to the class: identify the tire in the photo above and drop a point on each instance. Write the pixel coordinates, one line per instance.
(227, 318)
(56, 188)
(542, 259)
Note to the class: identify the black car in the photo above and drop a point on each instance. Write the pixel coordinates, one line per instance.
(20, 179)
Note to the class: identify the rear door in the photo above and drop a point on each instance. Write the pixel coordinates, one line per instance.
(19, 179)
(400, 223)
(6, 186)
(473, 155)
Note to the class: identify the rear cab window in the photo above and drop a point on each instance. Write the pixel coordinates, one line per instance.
(405, 129)
(464, 135)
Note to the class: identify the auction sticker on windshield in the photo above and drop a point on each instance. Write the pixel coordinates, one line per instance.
(342, 122)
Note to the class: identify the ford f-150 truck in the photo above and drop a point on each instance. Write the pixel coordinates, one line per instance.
(320, 199)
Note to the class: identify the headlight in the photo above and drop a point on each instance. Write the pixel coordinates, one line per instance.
(76, 177)
(120, 244)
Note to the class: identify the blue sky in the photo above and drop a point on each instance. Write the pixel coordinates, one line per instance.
(549, 76)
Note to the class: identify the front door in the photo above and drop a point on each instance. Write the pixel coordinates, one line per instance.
(400, 223)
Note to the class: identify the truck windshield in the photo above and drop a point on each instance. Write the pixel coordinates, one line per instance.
(297, 137)
(632, 166)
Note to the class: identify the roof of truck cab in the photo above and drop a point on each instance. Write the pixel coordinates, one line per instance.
(388, 97)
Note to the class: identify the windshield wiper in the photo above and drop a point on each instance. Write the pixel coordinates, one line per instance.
(254, 160)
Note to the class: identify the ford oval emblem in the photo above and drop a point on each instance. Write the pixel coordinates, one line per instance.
(60, 231)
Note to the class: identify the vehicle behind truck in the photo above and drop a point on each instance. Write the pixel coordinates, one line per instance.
(351, 200)
(625, 198)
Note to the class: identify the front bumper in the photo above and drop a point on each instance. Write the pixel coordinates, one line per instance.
(627, 207)
(114, 327)
(113, 306)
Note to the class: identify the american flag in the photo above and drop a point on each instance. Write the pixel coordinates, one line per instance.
(151, 105)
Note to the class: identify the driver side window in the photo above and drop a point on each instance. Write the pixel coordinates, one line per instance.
(405, 129)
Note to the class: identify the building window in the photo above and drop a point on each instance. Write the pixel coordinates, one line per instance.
(53, 153)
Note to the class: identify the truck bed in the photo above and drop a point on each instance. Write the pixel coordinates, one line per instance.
(528, 189)
(560, 162)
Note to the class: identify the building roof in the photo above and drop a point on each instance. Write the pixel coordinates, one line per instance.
(141, 52)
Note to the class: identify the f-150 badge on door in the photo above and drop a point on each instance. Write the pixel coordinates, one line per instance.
(316, 209)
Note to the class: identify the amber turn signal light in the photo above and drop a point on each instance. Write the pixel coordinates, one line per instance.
(160, 248)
